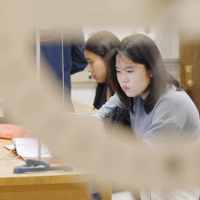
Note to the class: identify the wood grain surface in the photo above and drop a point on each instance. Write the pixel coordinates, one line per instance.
(43, 185)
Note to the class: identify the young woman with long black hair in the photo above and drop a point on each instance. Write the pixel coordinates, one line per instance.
(160, 109)
(95, 50)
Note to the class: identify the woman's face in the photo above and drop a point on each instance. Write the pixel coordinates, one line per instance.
(132, 77)
(97, 66)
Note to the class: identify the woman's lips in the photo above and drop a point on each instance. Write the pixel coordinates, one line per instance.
(94, 77)
(125, 88)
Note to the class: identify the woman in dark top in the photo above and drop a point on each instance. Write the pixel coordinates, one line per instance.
(95, 50)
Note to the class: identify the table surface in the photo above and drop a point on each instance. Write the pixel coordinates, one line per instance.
(44, 185)
(82, 108)
(7, 177)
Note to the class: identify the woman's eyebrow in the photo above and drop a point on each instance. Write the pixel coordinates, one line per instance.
(129, 67)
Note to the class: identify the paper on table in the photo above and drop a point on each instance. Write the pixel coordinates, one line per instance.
(11, 147)
(28, 147)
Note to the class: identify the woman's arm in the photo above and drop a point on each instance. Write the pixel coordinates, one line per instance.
(109, 106)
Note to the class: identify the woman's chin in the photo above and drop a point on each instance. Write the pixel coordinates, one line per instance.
(128, 94)
(99, 81)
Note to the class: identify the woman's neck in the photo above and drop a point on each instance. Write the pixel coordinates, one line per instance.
(144, 95)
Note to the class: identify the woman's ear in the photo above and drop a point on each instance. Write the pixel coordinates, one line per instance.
(151, 74)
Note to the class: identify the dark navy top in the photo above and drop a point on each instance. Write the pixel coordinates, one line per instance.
(102, 99)
(51, 49)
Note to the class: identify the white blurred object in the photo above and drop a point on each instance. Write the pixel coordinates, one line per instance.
(122, 196)
(149, 31)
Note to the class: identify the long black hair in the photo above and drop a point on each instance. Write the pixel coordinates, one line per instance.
(141, 49)
(101, 43)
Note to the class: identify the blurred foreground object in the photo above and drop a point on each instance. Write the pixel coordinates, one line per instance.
(27, 104)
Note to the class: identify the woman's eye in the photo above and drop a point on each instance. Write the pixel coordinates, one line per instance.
(129, 71)
(118, 71)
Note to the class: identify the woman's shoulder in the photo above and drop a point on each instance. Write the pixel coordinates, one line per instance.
(176, 102)
(174, 97)
(176, 107)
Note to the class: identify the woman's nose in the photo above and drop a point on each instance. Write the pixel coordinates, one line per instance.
(124, 78)
(89, 68)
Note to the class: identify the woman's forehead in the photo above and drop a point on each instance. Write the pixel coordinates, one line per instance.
(123, 58)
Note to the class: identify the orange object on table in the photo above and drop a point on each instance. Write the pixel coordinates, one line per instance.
(9, 131)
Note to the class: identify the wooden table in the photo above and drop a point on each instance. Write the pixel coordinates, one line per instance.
(44, 185)
(82, 108)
